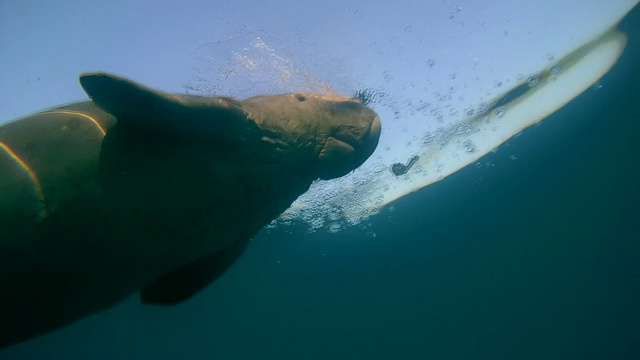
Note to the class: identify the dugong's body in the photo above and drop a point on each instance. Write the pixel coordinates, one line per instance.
(139, 190)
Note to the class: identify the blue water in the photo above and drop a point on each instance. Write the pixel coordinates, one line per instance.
(530, 258)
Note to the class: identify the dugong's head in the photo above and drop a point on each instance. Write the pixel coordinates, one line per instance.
(324, 136)
(339, 132)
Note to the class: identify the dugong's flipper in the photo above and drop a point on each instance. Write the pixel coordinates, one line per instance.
(181, 284)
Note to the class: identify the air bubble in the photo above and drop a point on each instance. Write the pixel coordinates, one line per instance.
(533, 81)
(462, 129)
(328, 195)
(334, 227)
(333, 215)
(352, 221)
(550, 57)
(469, 146)
(353, 207)
(378, 168)
(304, 199)
(428, 139)
(361, 182)
(316, 223)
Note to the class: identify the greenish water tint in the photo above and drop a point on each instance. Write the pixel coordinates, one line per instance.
(535, 257)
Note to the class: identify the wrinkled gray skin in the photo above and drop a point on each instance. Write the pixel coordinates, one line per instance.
(164, 202)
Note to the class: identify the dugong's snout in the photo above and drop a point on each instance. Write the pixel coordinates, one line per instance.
(369, 143)
(351, 142)
(333, 133)
(374, 137)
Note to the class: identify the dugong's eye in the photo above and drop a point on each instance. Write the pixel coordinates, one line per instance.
(301, 98)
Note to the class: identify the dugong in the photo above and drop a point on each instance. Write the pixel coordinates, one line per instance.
(141, 190)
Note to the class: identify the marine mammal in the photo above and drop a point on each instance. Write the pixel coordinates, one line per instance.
(141, 190)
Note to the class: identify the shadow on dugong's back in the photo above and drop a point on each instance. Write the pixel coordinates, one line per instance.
(140, 190)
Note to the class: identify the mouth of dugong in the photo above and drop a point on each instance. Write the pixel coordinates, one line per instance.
(348, 147)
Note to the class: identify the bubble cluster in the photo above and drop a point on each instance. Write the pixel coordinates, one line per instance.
(223, 69)
(336, 204)
(462, 129)
(378, 168)
(334, 227)
(469, 146)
